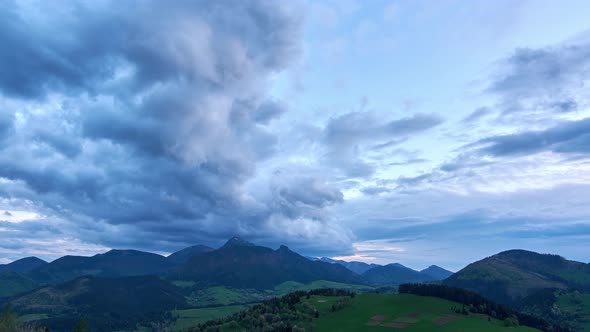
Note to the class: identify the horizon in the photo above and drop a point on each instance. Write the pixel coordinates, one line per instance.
(390, 131)
(166, 254)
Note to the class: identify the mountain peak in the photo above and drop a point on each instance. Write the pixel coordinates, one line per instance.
(437, 272)
(236, 241)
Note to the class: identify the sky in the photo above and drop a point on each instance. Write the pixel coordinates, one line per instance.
(419, 132)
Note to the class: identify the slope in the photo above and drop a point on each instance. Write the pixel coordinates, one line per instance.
(511, 276)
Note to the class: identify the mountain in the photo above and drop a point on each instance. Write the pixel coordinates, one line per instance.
(12, 283)
(241, 264)
(114, 263)
(436, 272)
(182, 256)
(356, 267)
(511, 276)
(395, 274)
(107, 304)
(23, 265)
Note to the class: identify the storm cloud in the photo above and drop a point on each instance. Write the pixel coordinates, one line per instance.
(148, 119)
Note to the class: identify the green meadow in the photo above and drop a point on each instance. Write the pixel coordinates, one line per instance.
(191, 317)
(408, 313)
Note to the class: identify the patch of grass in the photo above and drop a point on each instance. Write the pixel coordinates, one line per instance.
(191, 317)
(358, 313)
(578, 304)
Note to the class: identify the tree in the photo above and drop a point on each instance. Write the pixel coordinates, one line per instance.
(8, 320)
(511, 321)
(81, 326)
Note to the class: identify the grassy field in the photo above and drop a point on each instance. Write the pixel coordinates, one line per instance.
(191, 317)
(408, 313)
(291, 286)
(577, 304)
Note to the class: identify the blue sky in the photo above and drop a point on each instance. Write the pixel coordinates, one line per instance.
(417, 132)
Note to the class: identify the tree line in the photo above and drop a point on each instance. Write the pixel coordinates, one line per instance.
(9, 322)
(285, 314)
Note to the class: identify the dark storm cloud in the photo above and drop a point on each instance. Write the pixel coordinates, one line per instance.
(153, 116)
(571, 137)
(65, 46)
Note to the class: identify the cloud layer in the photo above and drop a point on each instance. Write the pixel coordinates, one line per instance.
(159, 125)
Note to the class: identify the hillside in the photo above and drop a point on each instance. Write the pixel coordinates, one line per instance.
(182, 256)
(23, 265)
(241, 264)
(130, 300)
(12, 283)
(511, 276)
(395, 274)
(114, 263)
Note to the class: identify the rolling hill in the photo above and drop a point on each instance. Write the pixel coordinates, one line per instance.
(23, 265)
(114, 263)
(364, 312)
(511, 276)
(241, 264)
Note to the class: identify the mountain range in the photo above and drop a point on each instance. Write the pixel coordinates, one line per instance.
(73, 285)
(356, 267)
(241, 264)
(238, 263)
(398, 274)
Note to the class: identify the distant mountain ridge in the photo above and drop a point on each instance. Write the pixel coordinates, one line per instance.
(114, 263)
(396, 273)
(437, 272)
(23, 265)
(356, 267)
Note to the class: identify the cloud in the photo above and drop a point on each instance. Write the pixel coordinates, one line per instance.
(571, 137)
(348, 136)
(477, 114)
(140, 126)
(551, 79)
